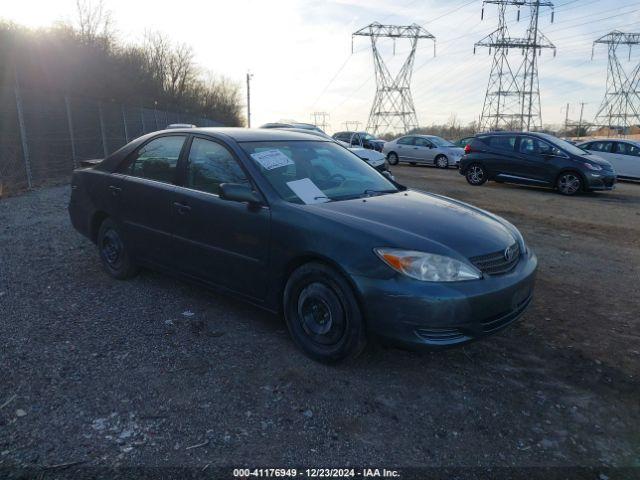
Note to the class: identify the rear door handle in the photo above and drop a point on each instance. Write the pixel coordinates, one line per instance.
(181, 207)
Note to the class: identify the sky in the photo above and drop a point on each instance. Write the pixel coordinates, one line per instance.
(300, 51)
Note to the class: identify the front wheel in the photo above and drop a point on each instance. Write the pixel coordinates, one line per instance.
(322, 314)
(113, 251)
(476, 174)
(569, 183)
(442, 161)
(392, 158)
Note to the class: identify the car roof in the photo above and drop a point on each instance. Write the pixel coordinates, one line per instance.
(251, 134)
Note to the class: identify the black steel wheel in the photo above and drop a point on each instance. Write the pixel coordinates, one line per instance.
(392, 158)
(322, 314)
(113, 251)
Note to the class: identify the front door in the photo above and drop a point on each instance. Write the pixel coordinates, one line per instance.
(221, 242)
(533, 165)
(147, 190)
(423, 150)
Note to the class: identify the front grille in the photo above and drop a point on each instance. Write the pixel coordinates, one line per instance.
(497, 263)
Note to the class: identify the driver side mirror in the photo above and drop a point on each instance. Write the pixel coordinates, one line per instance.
(238, 192)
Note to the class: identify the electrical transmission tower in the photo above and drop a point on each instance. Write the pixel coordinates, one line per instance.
(352, 125)
(322, 123)
(512, 100)
(393, 110)
(620, 108)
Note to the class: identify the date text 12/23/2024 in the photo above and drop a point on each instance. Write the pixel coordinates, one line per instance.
(316, 473)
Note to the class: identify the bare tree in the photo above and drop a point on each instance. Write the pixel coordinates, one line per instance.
(94, 21)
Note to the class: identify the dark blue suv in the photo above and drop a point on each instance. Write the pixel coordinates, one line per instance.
(535, 159)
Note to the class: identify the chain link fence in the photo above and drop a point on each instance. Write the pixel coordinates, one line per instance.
(43, 136)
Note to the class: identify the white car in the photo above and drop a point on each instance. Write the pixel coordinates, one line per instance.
(624, 155)
(427, 149)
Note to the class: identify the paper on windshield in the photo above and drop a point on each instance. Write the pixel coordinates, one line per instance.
(271, 159)
(307, 191)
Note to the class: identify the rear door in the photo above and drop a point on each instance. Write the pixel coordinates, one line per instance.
(221, 242)
(625, 159)
(405, 149)
(500, 158)
(147, 190)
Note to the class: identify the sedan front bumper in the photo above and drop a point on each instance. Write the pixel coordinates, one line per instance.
(411, 313)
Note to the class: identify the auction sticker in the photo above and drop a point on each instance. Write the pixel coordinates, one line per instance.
(271, 159)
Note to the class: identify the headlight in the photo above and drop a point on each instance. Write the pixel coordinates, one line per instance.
(427, 267)
(593, 166)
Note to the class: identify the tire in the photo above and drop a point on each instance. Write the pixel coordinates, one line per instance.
(413, 164)
(442, 161)
(392, 158)
(323, 315)
(569, 183)
(476, 174)
(113, 251)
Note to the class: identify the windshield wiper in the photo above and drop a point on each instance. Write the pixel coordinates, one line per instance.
(370, 192)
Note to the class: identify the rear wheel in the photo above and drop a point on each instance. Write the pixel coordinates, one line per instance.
(569, 183)
(322, 314)
(392, 158)
(113, 251)
(476, 174)
(442, 161)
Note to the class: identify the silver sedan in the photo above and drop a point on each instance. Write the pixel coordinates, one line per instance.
(426, 149)
(624, 155)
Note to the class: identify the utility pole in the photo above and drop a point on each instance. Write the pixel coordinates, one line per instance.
(580, 121)
(566, 119)
(249, 77)
(620, 108)
(393, 110)
(512, 99)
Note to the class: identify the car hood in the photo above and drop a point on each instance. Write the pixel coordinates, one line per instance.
(421, 221)
(372, 157)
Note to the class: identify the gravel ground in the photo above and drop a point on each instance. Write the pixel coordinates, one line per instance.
(155, 372)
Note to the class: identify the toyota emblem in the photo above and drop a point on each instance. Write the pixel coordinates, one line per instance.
(509, 253)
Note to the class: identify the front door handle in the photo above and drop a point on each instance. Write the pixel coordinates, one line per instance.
(181, 207)
(114, 190)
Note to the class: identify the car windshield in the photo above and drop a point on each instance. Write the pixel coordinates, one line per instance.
(309, 172)
(564, 145)
(441, 142)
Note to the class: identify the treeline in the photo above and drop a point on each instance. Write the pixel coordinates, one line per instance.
(87, 59)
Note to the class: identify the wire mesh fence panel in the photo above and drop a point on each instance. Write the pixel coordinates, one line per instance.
(86, 128)
(150, 121)
(47, 136)
(133, 119)
(113, 126)
(13, 174)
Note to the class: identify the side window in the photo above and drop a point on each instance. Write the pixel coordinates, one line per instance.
(422, 142)
(545, 149)
(157, 160)
(626, 149)
(527, 146)
(503, 142)
(605, 147)
(355, 139)
(406, 141)
(211, 164)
